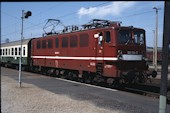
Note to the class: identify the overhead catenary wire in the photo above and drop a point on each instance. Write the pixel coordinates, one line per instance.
(43, 22)
(115, 18)
(50, 8)
(17, 18)
(39, 24)
(42, 12)
(57, 17)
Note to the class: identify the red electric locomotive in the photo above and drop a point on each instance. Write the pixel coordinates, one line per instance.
(101, 50)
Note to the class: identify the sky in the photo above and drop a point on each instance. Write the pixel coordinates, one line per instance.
(132, 13)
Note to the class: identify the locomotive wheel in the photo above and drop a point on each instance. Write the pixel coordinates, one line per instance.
(64, 74)
(103, 82)
(51, 72)
(69, 76)
(73, 76)
(122, 81)
(143, 78)
(80, 80)
(109, 81)
(95, 80)
(57, 73)
(35, 69)
(86, 78)
(16, 67)
(6, 65)
(23, 68)
(44, 71)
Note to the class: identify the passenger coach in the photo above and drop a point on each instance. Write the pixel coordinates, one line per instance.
(10, 53)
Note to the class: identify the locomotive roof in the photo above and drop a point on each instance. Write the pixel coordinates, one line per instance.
(93, 24)
(18, 42)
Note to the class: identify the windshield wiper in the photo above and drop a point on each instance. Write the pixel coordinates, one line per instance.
(128, 41)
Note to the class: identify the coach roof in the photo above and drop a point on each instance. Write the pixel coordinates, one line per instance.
(25, 41)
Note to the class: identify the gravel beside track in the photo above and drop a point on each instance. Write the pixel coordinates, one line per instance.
(31, 99)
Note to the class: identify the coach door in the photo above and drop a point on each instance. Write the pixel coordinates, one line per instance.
(99, 52)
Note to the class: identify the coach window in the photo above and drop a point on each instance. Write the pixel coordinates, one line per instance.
(107, 36)
(1, 52)
(64, 42)
(15, 51)
(38, 44)
(84, 40)
(23, 51)
(73, 41)
(56, 42)
(50, 44)
(9, 52)
(43, 44)
(6, 51)
(19, 50)
(12, 51)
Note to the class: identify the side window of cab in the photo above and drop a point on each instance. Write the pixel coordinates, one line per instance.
(107, 36)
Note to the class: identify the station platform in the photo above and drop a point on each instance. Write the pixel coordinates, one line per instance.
(40, 93)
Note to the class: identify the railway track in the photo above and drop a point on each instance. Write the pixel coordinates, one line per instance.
(146, 90)
(150, 90)
(147, 93)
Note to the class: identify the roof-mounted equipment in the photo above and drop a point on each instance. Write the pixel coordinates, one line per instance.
(50, 26)
(97, 23)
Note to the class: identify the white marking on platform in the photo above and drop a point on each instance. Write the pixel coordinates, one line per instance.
(86, 84)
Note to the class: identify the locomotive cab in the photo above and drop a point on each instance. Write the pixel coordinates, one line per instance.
(131, 53)
(131, 44)
(122, 53)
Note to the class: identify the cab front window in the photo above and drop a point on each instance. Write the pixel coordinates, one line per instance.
(124, 36)
(127, 37)
(139, 37)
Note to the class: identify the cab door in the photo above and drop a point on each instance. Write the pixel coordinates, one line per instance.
(99, 53)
